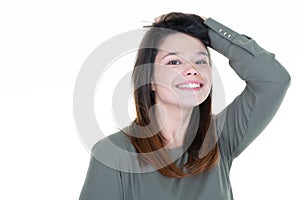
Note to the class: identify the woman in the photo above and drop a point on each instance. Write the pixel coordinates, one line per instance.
(181, 150)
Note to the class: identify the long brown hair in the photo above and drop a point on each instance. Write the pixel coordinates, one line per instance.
(148, 138)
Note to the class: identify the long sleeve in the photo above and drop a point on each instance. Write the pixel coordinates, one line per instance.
(101, 182)
(266, 84)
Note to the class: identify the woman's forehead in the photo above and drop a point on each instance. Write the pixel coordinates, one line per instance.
(180, 42)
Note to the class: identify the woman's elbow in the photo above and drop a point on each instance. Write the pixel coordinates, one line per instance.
(284, 79)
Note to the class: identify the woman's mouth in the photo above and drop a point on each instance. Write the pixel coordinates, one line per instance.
(190, 85)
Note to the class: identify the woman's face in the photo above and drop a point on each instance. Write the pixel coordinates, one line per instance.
(182, 74)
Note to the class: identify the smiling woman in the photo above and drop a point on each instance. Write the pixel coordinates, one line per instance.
(172, 81)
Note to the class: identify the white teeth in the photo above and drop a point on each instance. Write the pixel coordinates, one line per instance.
(189, 85)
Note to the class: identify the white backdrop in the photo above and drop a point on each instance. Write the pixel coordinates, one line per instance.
(43, 45)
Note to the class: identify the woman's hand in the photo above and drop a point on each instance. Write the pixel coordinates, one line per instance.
(159, 18)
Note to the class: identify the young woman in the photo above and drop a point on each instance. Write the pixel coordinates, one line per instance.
(176, 148)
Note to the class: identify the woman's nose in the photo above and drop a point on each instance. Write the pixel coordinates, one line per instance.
(191, 70)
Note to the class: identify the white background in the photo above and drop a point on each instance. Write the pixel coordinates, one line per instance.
(43, 45)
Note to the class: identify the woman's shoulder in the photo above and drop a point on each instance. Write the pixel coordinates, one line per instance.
(116, 152)
(118, 140)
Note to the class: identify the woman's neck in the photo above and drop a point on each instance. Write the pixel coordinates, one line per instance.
(173, 122)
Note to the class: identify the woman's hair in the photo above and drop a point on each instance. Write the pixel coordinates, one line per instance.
(143, 133)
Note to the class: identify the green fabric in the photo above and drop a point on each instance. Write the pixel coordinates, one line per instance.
(236, 126)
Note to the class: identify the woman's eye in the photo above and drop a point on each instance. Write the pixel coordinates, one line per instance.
(201, 62)
(174, 62)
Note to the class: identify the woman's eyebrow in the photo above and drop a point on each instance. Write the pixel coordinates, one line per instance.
(176, 53)
(202, 53)
(170, 54)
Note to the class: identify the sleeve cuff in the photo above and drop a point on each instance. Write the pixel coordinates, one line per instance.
(220, 29)
(224, 40)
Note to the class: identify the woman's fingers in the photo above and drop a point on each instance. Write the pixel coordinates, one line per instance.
(159, 18)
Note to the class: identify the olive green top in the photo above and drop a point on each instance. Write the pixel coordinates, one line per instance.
(114, 174)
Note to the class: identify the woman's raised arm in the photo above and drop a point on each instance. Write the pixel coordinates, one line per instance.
(266, 84)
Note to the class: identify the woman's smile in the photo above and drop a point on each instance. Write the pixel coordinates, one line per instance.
(192, 85)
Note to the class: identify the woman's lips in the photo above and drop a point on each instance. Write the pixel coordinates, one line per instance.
(190, 85)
